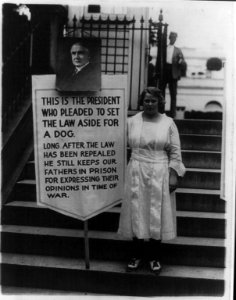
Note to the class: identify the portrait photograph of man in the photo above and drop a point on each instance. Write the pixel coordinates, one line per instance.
(78, 65)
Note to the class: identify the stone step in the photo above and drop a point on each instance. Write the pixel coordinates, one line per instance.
(194, 178)
(201, 159)
(203, 127)
(201, 224)
(70, 243)
(108, 277)
(206, 201)
(186, 199)
(12, 290)
(195, 224)
(191, 159)
(200, 178)
(200, 142)
(211, 115)
(199, 126)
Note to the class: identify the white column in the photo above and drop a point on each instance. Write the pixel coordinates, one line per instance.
(228, 155)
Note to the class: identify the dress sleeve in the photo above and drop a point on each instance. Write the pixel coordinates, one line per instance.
(174, 151)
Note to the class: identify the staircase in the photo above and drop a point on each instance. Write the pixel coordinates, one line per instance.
(43, 249)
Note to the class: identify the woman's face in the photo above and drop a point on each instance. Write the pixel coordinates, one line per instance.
(150, 105)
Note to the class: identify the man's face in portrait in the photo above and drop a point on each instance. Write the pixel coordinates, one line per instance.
(79, 55)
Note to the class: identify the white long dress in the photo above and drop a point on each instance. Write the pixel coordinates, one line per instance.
(148, 209)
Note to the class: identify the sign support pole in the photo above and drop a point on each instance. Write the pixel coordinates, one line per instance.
(86, 245)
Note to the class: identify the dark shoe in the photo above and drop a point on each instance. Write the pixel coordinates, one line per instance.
(155, 266)
(133, 264)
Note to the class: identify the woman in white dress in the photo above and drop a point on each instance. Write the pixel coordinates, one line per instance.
(148, 213)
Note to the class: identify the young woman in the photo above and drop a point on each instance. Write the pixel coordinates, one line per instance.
(148, 210)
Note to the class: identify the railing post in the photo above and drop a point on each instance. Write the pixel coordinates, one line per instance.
(161, 49)
(131, 64)
(140, 58)
(74, 20)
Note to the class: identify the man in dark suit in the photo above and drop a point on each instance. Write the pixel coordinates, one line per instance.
(172, 70)
(82, 75)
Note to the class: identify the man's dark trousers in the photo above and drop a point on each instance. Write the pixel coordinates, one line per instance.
(172, 84)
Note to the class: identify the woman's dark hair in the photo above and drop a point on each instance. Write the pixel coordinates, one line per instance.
(156, 93)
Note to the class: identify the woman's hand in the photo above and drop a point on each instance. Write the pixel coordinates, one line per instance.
(173, 180)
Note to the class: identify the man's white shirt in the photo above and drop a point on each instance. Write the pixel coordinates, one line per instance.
(78, 69)
(169, 54)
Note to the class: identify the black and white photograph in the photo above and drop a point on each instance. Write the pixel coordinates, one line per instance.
(118, 154)
(78, 65)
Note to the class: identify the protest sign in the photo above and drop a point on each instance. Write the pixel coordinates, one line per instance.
(80, 147)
